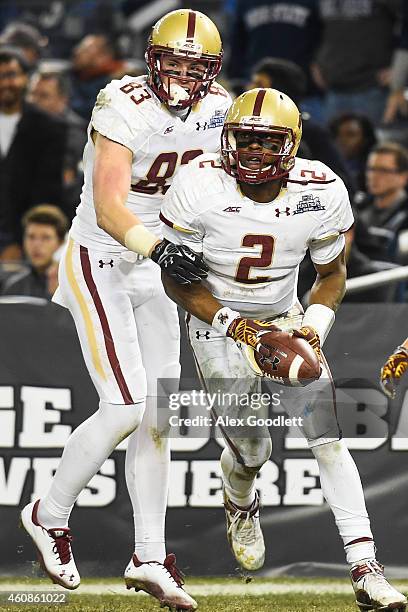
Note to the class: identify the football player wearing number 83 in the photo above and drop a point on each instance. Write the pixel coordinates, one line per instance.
(253, 212)
(141, 131)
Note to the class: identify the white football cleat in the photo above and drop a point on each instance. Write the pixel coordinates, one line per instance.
(164, 581)
(373, 591)
(54, 548)
(244, 534)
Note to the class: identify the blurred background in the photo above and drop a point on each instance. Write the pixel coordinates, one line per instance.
(345, 63)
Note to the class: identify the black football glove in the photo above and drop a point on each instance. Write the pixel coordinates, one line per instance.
(180, 262)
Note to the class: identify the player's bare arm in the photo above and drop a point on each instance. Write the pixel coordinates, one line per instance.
(325, 297)
(196, 299)
(330, 283)
(199, 301)
(111, 184)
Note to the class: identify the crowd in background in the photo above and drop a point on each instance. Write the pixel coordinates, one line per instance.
(344, 62)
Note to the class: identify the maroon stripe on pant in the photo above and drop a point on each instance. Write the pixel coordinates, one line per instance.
(166, 221)
(109, 343)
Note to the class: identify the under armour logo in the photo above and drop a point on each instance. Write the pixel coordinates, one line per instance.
(282, 212)
(63, 573)
(205, 335)
(201, 126)
(232, 209)
(223, 318)
(273, 362)
(105, 263)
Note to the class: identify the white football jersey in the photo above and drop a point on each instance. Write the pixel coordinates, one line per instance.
(128, 112)
(254, 249)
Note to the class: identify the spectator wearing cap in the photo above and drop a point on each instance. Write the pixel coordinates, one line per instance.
(63, 23)
(95, 62)
(50, 91)
(32, 150)
(44, 228)
(27, 38)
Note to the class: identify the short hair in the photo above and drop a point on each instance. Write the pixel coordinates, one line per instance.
(286, 76)
(110, 44)
(399, 152)
(365, 124)
(8, 54)
(47, 214)
(61, 79)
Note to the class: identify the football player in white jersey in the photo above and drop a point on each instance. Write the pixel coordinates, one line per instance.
(253, 212)
(141, 132)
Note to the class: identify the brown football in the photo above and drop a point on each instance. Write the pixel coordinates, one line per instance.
(292, 362)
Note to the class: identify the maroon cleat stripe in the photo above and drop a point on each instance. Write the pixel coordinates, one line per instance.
(109, 343)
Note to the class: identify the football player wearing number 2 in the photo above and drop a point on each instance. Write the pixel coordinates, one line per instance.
(253, 213)
(141, 131)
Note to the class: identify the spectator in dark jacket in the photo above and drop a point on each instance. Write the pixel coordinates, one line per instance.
(354, 136)
(32, 150)
(355, 54)
(44, 228)
(95, 62)
(382, 214)
(286, 29)
(51, 91)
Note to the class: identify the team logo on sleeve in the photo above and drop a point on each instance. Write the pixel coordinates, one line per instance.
(308, 203)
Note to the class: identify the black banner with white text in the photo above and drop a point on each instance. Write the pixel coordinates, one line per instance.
(45, 392)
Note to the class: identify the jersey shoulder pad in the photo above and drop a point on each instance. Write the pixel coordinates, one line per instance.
(125, 102)
(204, 172)
(217, 99)
(312, 174)
(200, 180)
(321, 192)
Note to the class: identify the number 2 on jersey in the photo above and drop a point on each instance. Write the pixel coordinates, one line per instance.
(162, 169)
(263, 260)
